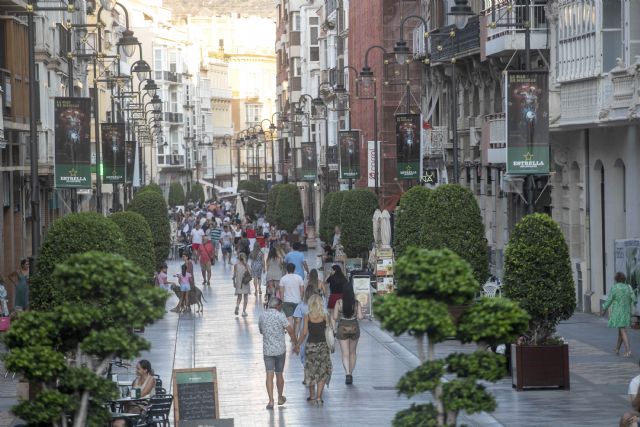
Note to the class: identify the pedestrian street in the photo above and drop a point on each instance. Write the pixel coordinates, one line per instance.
(233, 345)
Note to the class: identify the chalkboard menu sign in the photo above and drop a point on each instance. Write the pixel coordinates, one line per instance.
(195, 393)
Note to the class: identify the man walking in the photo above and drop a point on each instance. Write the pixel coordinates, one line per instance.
(296, 258)
(291, 290)
(273, 325)
(215, 234)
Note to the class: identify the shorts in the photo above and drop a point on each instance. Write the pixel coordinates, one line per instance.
(185, 287)
(288, 308)
(226, 249)
(348, 329)
(195, 246)
(275, 363)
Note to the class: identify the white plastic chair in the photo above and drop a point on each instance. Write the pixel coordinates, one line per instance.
(490, 289)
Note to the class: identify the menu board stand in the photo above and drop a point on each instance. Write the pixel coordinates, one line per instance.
(195, 394)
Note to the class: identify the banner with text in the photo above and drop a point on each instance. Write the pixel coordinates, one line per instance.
(408, 145)
(372, 168)
(309, 161)
(113, 153)
(349, 141)
(129, 148)
(527, 121)
(72, 142)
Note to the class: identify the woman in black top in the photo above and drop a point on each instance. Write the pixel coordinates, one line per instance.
(336, 282)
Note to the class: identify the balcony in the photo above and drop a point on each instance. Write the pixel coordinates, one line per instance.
(434, 140)
(623, 101)
(466, 41)
(583, 102)
(494, 139)
(168, 76)
(509, 34)
(175, 161)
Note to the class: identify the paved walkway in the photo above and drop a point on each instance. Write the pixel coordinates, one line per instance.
(233, 345)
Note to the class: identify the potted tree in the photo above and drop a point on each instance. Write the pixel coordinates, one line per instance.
(356, 209)
(538, 276)
(176, 194)
(427, 283)
(411, 216)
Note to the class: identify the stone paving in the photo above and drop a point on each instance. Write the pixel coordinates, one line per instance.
(233, 345)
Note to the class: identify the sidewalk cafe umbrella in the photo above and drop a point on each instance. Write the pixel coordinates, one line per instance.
(376, 226)
(385, 228)
(239, 207)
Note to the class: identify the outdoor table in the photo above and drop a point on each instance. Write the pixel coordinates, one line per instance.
(119, 403)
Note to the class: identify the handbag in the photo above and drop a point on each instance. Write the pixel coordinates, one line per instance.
(246, 277)
(329, 337)
(5, 323)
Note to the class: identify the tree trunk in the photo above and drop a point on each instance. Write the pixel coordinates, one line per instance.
(80, 419)
(431, 349)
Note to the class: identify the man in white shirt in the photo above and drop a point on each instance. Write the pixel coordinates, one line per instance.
(291, 289)
(226, 242)
(196, 240)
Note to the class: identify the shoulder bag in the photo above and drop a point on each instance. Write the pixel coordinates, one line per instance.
(246, 277)
(329, 336)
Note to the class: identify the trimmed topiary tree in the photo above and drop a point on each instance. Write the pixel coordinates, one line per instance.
(411, 216)
(257, 190)
(288, 211)
(271, 203)
(454, 222)
(356, 215)
(428, 282)
(333, 215)
(138, 240)
(153, 208)
(153, 187)
(196, 195)
(68, 235)
(537, 274)
(324, 212)
(64, 352)
(176, 194)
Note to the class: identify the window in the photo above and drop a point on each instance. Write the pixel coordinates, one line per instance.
(297, 67)
(253, 112)
(632, 31)
(577, 40)
(174, 101)
(314, 48)
(295, 21)
(158, 64)
(611, 33)
(173, 62)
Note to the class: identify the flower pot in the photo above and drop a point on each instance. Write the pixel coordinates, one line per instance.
(540, 366)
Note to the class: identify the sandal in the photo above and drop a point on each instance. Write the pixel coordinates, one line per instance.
(311, 399)
(270, 406)
(627, 354)
(281, 400)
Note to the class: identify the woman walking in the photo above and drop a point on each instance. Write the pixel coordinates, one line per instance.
(347, 312)
(298, 316)
(240, 282)
(256, 259)
(318, 285)
(337, 281)
(317, 365)
(20, 279)
(621, 298)
(274, 273)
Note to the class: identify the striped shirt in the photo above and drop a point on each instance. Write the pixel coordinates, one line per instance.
(215, 235)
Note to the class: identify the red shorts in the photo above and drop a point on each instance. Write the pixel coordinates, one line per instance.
(195, 246)
(333, 298)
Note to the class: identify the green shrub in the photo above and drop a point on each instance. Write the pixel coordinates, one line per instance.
(424, 415)
(324, 212)
(153, 187)
(257, 190)
(493, 321)
(333, 216)
(537, 274)
(68, 235)
(356, 215)
(455, 222)
(196, 195)
(176, 194)
(271, 203)
(138, 240)
(288, 211)
(411, 217)
(153, 208)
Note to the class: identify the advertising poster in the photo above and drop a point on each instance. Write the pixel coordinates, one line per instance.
(527, 119)
(130, 156)
(362, 291)
(408, 145)
(309, 161)
(113, 153)
(72, 142)
(349, 141)
(352, 264)
(371, 164)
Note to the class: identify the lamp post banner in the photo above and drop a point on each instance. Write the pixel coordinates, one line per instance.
(113, 153)
(527, 121)
(72, 142)
(309, 161)
(408, 145)
(372, 168)
(349, 141)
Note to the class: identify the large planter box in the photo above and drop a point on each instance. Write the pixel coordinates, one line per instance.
(540, 366)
